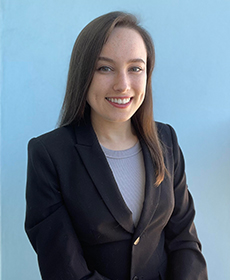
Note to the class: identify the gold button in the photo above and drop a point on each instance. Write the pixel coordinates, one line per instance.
(137, 241)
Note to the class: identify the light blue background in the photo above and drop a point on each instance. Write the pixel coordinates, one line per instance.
(191, 92)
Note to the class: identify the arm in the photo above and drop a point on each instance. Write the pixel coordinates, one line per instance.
(48, 224)
(185, 258)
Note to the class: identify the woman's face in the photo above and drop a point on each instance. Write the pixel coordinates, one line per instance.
(118, 86)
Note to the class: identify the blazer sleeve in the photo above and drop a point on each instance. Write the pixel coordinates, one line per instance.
(185, 258)
(48, 224)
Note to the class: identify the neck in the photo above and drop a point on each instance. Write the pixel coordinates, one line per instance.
(115, 136)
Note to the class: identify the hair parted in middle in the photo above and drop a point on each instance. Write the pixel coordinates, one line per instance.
(85, 54)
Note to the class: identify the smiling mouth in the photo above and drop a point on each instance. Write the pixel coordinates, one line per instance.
(120, 101)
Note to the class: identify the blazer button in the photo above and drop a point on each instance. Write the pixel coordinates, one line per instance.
(136, 242)
(135, 278)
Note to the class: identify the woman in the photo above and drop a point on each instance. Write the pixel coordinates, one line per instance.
(106, 191)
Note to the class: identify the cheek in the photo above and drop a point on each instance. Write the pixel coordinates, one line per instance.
(140, 86)
(142, 97)
(94, 98)
(142, 90)
(98, 88)
(91, 97)
(92, 92)
(141, 82)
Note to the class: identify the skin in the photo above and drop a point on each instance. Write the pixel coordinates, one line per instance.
(118, 88)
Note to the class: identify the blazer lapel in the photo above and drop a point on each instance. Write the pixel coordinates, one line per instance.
(152, 193)
(96, 164)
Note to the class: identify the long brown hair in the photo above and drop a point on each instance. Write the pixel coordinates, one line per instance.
(86, 51)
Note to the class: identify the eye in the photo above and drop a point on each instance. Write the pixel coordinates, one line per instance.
(136, 69)
(104, 69)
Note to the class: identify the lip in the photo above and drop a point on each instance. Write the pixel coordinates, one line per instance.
(117, 104)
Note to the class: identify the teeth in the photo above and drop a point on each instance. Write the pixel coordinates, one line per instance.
(119, 100)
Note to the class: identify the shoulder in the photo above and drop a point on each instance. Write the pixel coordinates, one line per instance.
(55, 139)
(169, 142)
(166, 133)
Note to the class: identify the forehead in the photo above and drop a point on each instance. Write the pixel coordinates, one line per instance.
(124, 42)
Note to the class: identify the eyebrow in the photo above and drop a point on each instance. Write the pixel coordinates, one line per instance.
(111, 60)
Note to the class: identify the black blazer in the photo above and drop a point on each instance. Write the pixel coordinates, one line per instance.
(80, 226)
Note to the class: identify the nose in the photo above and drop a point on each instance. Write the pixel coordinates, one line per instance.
(121, 82)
